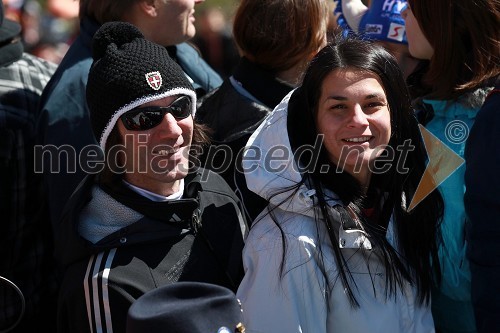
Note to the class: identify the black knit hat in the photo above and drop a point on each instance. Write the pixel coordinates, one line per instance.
(186, 307)
(127, 72)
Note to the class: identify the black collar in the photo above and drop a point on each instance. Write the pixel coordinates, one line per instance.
(88, 28)
(170, 211)
(260, 83)
(172, 52)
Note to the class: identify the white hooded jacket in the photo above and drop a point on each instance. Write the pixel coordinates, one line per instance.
(297, 301)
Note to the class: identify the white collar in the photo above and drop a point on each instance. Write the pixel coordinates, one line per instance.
(157, 197)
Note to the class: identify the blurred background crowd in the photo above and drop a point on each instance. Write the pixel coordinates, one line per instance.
(49, 27)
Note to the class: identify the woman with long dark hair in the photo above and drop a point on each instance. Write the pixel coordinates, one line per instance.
(339, 249)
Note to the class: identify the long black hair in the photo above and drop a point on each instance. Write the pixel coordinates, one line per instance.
(417, 231)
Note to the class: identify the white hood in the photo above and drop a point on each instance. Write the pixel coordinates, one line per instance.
(268, 171)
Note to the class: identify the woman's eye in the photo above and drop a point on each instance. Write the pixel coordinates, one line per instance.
(338, 106)
(375, 105)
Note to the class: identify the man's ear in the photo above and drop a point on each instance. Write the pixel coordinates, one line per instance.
(149, 7)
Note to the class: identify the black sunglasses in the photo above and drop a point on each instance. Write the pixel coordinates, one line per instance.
(141, 119)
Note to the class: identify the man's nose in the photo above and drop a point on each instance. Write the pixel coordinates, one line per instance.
(169, 127)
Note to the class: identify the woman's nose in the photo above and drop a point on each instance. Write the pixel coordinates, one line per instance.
(359, 118)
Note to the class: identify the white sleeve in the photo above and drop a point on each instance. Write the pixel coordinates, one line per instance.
(293, 303)
(353, 11)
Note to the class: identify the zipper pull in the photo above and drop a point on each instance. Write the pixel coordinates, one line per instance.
(196, 220)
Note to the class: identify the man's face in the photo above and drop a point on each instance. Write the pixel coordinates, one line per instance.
(157, 158)
(175, 21)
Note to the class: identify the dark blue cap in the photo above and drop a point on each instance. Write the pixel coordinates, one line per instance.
(186, 307)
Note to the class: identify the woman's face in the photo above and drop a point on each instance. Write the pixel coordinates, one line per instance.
(418, 44)
(353, 115)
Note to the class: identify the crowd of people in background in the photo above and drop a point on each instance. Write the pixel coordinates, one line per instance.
(50, 27)
(286, 166)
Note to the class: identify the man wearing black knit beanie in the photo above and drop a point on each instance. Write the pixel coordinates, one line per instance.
(147, 218)
(65, 114)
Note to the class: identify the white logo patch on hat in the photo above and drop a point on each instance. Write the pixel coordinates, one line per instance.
(154, 80)
(396, 32)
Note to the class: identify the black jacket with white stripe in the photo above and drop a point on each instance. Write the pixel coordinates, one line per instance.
(148, 244)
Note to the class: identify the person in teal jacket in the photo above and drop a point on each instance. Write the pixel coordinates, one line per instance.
(462, 47)
(66, 117)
